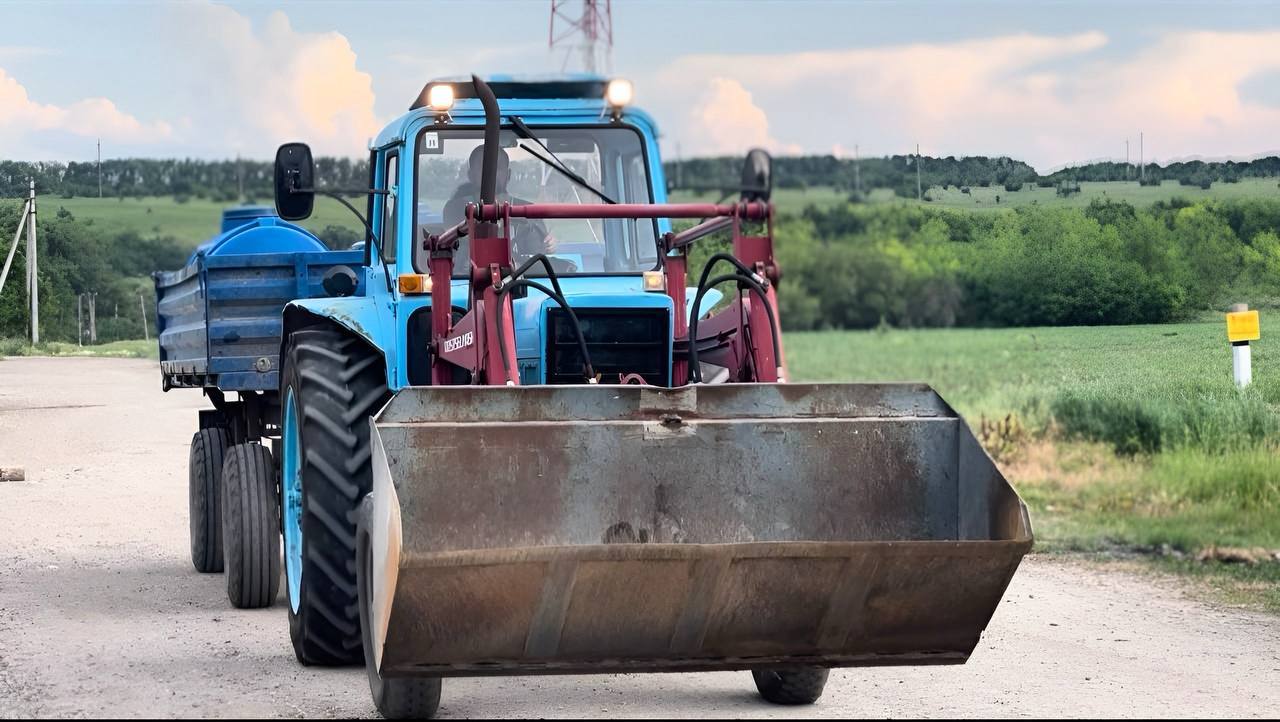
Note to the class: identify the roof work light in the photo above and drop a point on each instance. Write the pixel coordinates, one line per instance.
(440, 98)
(618, 93)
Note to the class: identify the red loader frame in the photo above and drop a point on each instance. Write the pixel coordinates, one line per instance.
(742, 337)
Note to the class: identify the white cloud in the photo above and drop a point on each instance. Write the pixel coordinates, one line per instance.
(225, 87)
(255, 88)
(725, 120)
(1046, 99)
(25, 123)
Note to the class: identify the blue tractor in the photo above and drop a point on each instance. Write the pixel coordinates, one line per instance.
(512, 435)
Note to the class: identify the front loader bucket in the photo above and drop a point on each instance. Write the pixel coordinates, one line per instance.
(631, 528)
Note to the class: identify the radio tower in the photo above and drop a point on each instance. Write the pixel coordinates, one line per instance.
(590, 32)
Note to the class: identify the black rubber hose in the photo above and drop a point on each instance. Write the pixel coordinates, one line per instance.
(694, 368)
(702, 283)
(726, 257)
(589, 370)
(546, 263)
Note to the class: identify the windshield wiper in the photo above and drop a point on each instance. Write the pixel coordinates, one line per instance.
(523, 131)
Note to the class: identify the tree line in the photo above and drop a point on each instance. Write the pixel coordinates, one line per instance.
(864, 265)
(224, 181)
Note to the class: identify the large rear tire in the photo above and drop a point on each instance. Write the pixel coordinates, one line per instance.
(791, 685)
(395, 697)
(250, 527)
(204, 491)
(331, 383)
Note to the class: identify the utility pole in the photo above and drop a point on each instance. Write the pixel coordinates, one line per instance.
(1142, 164)
(79, 319)
(99, 167)
(857, 171)
(33, 267)
(1126, 159)
(142, 305)
(919, 192)
(93, 317)
(239, 179)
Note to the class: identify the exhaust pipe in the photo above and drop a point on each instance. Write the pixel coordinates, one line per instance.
(492, 126)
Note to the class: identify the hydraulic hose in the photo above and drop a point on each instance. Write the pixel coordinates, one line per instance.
(554, 295)
(703, 287)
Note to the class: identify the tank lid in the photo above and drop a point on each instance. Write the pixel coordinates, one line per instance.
(237, 216)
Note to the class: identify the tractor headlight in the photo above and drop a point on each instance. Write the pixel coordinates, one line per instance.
(440, 98)
(618, 93)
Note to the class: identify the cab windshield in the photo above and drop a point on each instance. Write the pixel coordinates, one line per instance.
(609, 158)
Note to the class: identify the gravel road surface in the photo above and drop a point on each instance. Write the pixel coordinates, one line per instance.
(101, 613)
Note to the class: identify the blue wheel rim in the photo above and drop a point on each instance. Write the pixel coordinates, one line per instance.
(291, 491)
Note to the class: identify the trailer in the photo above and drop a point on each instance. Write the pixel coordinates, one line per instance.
(219, 322)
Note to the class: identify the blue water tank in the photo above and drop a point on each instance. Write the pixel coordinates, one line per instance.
(257, 229)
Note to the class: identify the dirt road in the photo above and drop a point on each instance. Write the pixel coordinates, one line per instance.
(102, 614)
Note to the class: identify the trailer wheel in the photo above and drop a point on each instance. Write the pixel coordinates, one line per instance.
(331, 383)
(791, 685)
(250, 527)
(395, 697)
(204, 491)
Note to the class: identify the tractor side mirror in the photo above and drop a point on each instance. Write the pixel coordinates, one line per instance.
(295, 174)
(757, 176)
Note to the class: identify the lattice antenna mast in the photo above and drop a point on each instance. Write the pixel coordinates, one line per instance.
(589, 32)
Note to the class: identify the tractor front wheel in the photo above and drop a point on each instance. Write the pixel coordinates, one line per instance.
(395, 697)
(791, 685)
(331, 383)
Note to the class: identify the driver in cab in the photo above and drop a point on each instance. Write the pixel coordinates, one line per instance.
(529, 236)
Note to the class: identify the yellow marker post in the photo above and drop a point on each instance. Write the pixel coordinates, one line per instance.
(1242, 327)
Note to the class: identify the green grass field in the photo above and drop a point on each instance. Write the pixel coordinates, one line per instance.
(789, 200)
(1131, 192)
(192, 222)
(1124, 440)
(196, 220)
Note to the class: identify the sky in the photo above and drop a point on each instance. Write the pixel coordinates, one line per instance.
(1051, 83)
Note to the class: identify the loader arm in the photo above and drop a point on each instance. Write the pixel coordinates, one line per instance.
(477, 341)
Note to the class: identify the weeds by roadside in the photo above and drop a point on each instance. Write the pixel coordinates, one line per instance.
(117, 349)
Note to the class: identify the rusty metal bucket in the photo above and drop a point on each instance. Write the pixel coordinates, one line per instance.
(627, 528)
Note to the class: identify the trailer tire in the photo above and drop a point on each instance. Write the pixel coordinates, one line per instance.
(791, 685)
(395, 697)
(250, 527)
(331, 383)
(204, 491)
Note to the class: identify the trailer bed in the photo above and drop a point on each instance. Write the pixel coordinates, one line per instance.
(219, 318)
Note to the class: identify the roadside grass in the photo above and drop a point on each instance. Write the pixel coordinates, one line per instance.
(1124, 441)
(137, 348)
